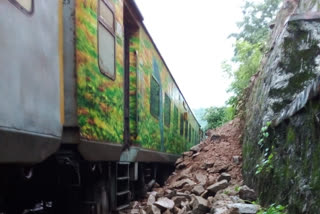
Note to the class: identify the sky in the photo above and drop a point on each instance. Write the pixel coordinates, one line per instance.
(192, 38)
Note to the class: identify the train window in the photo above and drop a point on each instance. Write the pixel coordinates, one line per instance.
(167, 110)
(186, 130)
(189, 132)
(155, 98)
(181, 124)
(106, 39)
(24, 5)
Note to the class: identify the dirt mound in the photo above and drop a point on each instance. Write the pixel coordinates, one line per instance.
(207, 179)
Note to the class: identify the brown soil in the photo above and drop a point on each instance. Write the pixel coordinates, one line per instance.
(218, 149)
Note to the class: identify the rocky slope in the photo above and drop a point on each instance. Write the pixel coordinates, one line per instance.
(285, 94)
(207, 179)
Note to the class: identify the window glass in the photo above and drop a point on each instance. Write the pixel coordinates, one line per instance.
(106, 40)
(167, 110)
(186, 130)
(106, 51)
(26, 5)
(189, 133)
(106, 15)
(155, 98)
(181, 124)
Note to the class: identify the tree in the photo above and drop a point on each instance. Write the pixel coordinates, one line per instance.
(250, 45)
(217, 116)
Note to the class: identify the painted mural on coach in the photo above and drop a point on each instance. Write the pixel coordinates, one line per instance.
(91, 113)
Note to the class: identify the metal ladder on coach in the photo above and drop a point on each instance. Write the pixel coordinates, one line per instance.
(123, 193)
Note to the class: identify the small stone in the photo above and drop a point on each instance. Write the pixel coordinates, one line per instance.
(198, 189)
(195, 148)
(206, 194)
(236, 159)
(195, 155)
(156, 185)
(134, 211)
(236, 199)
(183, 211)
(142, 211)
(181, 183)
(224, 176)
(178, 200)
(188, 154)
(151, 199)
(208, 164)
(179, 160)
(134, 204)
(152, 209)
(167, 212)
(214, 188)
(246, 193)
(218, 210)
(164, 203)
(202, 178)
(200, 205)
(155, 210)
(245, 208)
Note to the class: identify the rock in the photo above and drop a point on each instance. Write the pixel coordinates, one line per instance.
(195, 148)
(214, 188)
(142, 211)
(201, 177)
(200, 205)
(156, 185)
(179, 160)
(245, 208)
(236, 159)
(218, 210)
(183, 211)
(181, 183)
(151, 199)
(208, 164)
(188, 154)
(178, 200)
(134, 204)
(246, 193)
(206, 194)
(236, 199)
(164, 203)
(195, 155)
(224, 176)
(134, 211)
(198, 189)
(167, 212)
(152, 209)
(233, 211)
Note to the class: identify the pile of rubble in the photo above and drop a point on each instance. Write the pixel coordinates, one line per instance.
(207, 179)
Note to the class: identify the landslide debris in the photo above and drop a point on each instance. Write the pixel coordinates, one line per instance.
(207, 179)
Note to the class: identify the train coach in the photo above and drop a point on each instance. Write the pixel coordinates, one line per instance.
(90, 115)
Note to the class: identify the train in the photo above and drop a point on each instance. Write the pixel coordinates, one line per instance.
(90, 115)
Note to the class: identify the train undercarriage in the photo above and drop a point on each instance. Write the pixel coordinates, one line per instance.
(66, 183)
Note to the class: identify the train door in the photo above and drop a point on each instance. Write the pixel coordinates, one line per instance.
(131, 32)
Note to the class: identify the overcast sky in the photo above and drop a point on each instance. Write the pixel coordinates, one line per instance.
(192, 38)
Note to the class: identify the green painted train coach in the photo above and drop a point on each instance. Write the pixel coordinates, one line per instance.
(91, 115)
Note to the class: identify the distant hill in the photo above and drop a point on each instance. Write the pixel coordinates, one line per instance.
(199, 114)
